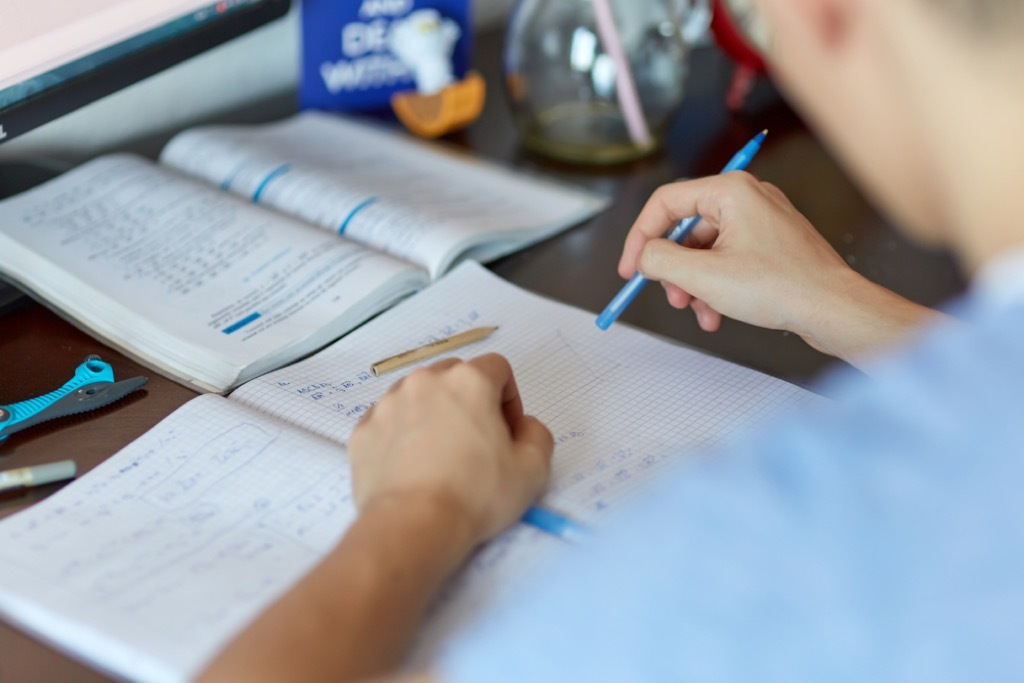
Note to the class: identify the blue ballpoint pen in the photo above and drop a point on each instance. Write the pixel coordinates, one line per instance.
(683, 228)
(555, 524)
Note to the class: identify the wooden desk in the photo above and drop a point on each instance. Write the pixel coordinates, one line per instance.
(38, 351)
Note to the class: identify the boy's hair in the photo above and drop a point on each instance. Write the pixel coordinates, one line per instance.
(985, 14)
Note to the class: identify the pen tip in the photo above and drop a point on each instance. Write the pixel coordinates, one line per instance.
(764, 132)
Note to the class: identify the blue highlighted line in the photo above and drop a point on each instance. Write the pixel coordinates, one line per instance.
(352, 214)
(276, 173)
(226, 185)
(241, 323)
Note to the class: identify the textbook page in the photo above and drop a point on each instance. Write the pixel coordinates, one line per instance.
(417, 201)
(206, 288)
(620, 403)
(149, 565)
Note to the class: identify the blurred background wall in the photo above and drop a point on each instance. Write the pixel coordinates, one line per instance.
(255, 68)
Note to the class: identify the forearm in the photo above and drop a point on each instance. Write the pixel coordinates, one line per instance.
(353, 616)
(859, 318)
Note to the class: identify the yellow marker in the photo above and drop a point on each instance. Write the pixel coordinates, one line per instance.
(431, 350)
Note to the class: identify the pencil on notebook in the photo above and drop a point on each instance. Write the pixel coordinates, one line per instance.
(431, 350)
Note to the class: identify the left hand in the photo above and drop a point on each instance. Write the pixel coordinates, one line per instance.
(444, 461)
(454, 435)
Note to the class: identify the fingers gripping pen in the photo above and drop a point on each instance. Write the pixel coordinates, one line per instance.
(683, 228)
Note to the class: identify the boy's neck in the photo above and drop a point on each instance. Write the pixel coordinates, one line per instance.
(984, 181)
(970, 104)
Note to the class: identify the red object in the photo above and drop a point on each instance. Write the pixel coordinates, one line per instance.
(749, 61)
(731, 39)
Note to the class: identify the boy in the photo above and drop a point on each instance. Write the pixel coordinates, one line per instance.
(880, 542)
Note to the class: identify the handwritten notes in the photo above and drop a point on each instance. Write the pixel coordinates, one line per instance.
(620, 404)
(175, 543)
(147, 565)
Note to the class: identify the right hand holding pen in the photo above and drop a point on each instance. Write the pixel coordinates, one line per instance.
(753, 257)
(756, 259)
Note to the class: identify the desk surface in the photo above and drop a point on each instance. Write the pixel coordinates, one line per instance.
(38, 350)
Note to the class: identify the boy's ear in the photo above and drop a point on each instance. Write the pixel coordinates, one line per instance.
(825, 22)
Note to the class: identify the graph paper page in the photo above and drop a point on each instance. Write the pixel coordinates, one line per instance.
(150, 563)
(620, 404)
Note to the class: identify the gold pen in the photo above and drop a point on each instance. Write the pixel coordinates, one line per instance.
(430, 350)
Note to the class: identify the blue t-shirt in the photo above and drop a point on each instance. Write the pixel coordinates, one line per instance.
(881, 541)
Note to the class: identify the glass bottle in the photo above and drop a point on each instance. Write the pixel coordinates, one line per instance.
(597, 81)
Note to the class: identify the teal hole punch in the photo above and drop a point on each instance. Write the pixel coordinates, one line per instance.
(92, 387)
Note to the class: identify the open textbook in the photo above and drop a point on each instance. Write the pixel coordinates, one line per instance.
(248, 247)
(149, 564)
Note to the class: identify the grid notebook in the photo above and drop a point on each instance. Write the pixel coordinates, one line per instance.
(149, 564)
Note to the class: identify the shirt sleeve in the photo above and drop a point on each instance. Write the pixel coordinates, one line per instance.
(880, 540)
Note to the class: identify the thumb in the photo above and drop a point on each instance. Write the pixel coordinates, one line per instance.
(534, 445)
(666, 261)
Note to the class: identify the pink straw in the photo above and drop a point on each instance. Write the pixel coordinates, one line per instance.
(629, 99)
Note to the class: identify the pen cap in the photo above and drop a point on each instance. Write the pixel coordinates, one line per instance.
(49, 473)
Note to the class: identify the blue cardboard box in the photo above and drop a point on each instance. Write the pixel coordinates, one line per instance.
(346, 62)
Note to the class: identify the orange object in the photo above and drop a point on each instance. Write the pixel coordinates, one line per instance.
(455, 107)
